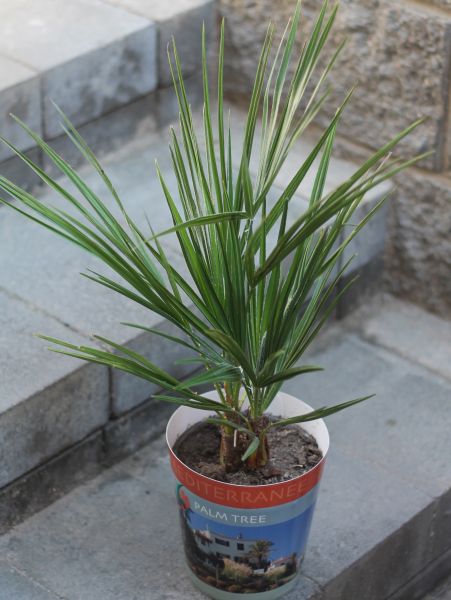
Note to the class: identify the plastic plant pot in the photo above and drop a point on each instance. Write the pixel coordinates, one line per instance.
(241, 539)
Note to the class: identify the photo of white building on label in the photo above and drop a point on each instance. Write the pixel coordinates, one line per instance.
(236, 548)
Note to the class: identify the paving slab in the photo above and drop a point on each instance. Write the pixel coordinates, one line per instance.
(185, 27)
(109, 133)
(16, 586)
(160, 10)
(369, 244)
(128, 391)
(86, 68)
(403, 428)
(410, 331)
(12, 168)
(46, 34)
(104, 76)
(45, 270)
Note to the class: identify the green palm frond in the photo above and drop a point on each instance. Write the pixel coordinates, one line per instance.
(245, 313)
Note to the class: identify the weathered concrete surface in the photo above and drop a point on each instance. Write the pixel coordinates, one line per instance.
(109, 133)
(182, 19)
(399, 54)
(409, 331)
(47, 34)
(128, 391)
(20, 95)
(111, 81)
(87, 69)
(105, 78)
(15, 585)
(419, 241)
(443, 591)
(13, 169)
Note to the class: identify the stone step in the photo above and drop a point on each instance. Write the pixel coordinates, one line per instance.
(441, 592)
(382, 527)
(51, 404)
(104, 62)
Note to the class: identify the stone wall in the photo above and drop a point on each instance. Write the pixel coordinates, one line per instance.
(399, 54)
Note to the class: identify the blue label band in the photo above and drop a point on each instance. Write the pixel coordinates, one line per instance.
(245, 550)
(250, 517)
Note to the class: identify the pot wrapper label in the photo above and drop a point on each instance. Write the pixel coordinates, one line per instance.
(244, 550)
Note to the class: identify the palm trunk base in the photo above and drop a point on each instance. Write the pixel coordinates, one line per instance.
(234, 444)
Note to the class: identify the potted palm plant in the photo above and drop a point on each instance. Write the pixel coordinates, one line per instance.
(247, 472)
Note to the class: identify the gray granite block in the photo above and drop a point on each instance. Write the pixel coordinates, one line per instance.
(16, 586)
(129, 391)
(45, 272)
(441, 539)
(86, 68)
(167, 109)
(159, 10)
(39, 427)
(92, 84)
(402, 429)
(46, 405)
(19, 94)
(51, 480)
(366, 283)
(109, 133)
(410, 331)
(49, 33)
(181, 19)
(365, 542)
(369, 243)
(186, 28)
(112, 541)
(443, 590)
(136, 428)
(47, 263)
(15, 170)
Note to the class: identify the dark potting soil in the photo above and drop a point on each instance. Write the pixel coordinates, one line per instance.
(292, 452)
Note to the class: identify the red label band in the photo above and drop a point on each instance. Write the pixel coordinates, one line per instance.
(245, 496)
